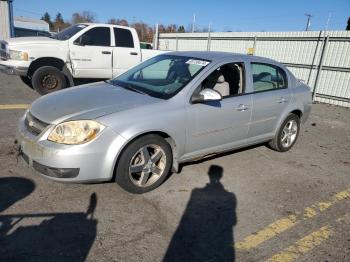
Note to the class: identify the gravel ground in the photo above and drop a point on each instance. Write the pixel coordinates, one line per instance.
(219, 209)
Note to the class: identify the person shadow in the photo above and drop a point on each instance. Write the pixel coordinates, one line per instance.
(43, 236)
(205, 232)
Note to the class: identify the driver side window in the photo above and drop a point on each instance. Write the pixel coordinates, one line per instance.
(97, 36)
(228, 80)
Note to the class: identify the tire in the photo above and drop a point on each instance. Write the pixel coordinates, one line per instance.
(48, 79)
(137, 175)
(27, 81)
(287, 134)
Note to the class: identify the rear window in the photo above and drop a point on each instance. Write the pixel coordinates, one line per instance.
(123, 38)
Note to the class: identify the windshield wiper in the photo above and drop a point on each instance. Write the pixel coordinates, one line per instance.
(127, 86)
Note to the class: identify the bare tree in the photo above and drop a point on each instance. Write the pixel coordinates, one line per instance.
(83, 17)
(118, 21)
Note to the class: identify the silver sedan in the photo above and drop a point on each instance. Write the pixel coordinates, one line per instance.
(172, 108)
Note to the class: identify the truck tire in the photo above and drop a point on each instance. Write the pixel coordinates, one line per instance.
(27, 81)
(48, 79)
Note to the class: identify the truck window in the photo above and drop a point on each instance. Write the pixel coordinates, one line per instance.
(123, 38)
(97, 36)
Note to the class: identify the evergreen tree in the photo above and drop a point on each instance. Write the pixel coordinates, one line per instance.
(47, 18)
(181, 29)
(59, 22)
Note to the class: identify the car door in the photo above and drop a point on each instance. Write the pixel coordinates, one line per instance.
(271, 96)
(91, 54)
(125, 53)
(216, 126)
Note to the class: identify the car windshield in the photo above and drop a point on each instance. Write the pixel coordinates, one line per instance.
(162, 76)
(69, 32)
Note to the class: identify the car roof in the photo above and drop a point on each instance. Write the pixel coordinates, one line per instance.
(216, 56)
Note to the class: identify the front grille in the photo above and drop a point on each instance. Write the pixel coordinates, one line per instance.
(3, 53)
(34, 125)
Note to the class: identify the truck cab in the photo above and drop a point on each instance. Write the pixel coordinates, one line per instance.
(83, 51)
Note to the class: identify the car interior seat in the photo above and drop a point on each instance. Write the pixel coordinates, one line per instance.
(232, 74)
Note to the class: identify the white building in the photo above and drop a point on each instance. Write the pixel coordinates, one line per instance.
(30, 23)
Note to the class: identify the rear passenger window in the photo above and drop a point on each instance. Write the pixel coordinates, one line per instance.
(123, 38)
(98, 36)
(268, 77)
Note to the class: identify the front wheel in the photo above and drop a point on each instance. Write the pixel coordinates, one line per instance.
(287, 134)
(144, 164)
(48, 79)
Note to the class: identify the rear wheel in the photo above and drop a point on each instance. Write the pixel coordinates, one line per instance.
(48, 79)
(287, 134)
(144, 164)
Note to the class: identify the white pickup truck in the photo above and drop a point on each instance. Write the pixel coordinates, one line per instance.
(82, 51)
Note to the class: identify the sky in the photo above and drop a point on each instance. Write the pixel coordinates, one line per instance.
(223, 15)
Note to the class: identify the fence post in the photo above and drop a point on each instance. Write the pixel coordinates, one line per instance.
(319, 70)
(156, 35)
(177, 43)
(315, 54)
(209, 39)
(254, 44)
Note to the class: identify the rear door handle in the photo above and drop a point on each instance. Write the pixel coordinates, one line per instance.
(106, 52)
(282, 100)
(133, 53)
(242, 107)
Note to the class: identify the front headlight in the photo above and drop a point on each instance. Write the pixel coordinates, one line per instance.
(18, 55)
(75, 132)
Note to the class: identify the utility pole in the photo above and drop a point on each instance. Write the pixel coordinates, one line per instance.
(328, 20)
(193, 23)
(308, 22)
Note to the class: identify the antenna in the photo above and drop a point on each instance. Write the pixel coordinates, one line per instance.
(308, 23)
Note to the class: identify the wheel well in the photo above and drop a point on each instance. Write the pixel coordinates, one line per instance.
(45, 61)
(298, 113)
(164, 135)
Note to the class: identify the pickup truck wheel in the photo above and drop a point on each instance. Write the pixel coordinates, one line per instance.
(287, 134)
(48, 79)
(27, 81)
(144, 164)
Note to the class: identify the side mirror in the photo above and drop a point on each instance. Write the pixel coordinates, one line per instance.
(206, 95)
(82, 40)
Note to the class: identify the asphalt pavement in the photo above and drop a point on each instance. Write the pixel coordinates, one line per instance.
(249, 205)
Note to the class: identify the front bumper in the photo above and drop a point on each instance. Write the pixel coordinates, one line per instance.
(93, 161)
(14, 70)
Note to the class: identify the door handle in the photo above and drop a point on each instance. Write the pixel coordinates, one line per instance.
(106, 52)
(242, 107)
(133, 53)
(282, 100)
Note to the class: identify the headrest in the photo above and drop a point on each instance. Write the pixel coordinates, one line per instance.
(221, 79)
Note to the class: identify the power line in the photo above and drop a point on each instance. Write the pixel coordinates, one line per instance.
(27, 11)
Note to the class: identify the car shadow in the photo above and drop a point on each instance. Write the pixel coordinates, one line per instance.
(43, 236)
(205, 232)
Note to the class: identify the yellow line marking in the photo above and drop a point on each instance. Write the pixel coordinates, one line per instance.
(268, 232)
(286, 223)
(303, 245)
(14, 106)
(308, 242)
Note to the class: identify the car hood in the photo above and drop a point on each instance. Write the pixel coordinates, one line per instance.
(30, 40)
(87, 102)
